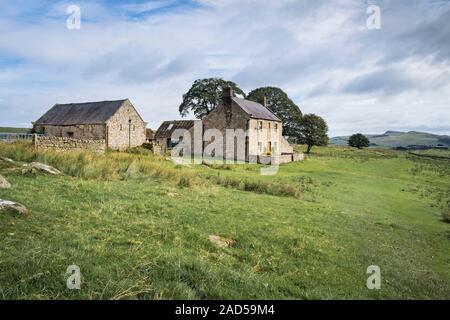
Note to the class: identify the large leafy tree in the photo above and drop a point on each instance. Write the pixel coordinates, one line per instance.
(359, 141)
(313, 131)
(205, 95)
(285, 109)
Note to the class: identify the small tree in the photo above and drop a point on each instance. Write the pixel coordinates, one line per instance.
(359, 141)
(280, 104)
(313, 131)
(204, 96)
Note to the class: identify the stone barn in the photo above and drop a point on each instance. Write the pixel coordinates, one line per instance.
(164, 139)
(116, 122)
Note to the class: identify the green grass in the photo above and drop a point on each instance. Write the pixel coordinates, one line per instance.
(138, 227)
(434, 153)
(14, 130)
(393, 139)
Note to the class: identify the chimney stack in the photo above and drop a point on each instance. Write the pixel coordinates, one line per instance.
(227, 94)
(263, 101)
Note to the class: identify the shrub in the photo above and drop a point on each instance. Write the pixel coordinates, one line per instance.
(446, 216)
(185, 182)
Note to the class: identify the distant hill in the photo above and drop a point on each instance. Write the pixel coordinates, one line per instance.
(397, 139)
(14, 130)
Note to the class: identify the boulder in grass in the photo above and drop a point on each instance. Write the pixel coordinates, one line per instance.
(6, 205)
(222, 242)
(8, 160)
(41, 167)
(3, 183)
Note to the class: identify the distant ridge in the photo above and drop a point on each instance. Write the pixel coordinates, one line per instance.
(398, 139)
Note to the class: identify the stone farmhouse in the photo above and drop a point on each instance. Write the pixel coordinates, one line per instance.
(263, 141)
(116, 122)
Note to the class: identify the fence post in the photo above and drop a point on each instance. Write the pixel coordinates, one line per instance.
(35, 142)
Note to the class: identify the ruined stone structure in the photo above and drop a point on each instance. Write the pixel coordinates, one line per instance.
(116, 122)
(166, 137)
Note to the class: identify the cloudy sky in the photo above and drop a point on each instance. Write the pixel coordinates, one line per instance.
(321, 53)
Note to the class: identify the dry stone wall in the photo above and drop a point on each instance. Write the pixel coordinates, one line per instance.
(68, 144)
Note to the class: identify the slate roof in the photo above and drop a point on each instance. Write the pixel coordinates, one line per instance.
(165, 131)
(256, 110)
(80, 113)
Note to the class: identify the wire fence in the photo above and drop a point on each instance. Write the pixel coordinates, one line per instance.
(13, 137)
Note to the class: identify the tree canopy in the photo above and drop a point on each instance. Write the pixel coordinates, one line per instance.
(359, 141)
(285, 109)
(313, 131)
(205, 95)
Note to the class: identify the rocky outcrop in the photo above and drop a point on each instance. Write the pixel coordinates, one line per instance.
(37, 166)
(6, 205)
(4, 184)
(8, 160)
(222, 242)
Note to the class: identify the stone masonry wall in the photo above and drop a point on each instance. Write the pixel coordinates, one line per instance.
(123, 133)
(68, 144)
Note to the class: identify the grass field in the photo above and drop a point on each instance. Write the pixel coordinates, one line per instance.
(393, 139)
(138, 226)
(14, 130)
(433, 153)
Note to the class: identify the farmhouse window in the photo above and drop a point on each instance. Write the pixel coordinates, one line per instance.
(276, 126)
(259, 147)
(120, 127)
(260, 125)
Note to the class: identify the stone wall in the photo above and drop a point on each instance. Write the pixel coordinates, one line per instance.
(68, 144)
(126, 128)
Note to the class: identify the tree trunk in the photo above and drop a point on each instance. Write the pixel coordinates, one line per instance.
(309, 148)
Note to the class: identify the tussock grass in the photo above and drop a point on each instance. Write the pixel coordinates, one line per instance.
(137, 163)
(258, 186)
(446, 216)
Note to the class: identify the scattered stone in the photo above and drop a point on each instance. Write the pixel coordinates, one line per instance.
(3, 183)
(222, 242)
(173, 194)
(41, 167)
(14, 206)
(10, 161)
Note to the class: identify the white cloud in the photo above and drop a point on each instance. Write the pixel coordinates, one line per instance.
(319, 52)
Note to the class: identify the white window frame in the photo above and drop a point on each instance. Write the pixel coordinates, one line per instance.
(260, 125)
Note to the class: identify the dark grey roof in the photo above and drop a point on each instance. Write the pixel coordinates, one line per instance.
(80, 113)
(165, 132)
(256, 110)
